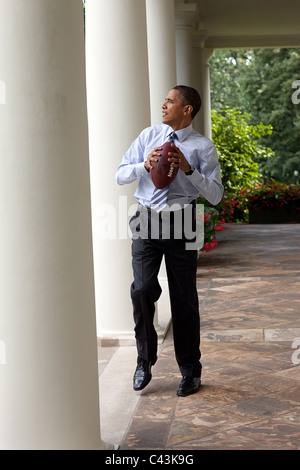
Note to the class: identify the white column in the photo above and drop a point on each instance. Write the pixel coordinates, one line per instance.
(185, 15)
(48, 364)
(201, 81)
(162, 77)
(206, 100)
(161, 53)
(183, 54)
(118, 109)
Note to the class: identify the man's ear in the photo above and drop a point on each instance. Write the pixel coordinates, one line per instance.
(189, 109)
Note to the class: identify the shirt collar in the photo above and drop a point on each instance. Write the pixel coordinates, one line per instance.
(181, 134)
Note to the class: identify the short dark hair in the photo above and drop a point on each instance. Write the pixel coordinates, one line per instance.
(189, 96)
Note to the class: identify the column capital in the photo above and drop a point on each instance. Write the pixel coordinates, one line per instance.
(199, 37)
(206, 53)
(185, 14)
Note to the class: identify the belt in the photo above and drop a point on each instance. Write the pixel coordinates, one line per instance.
(152, 211)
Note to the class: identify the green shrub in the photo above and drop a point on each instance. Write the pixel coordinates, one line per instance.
(239, 154)
(238, 150)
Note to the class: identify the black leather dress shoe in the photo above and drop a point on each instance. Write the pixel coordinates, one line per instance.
(188, 385)
(142, 375)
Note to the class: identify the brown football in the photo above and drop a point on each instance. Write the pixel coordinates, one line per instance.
(162, 173)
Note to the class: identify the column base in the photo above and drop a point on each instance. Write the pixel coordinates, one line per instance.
(115, 338)
(162, 321)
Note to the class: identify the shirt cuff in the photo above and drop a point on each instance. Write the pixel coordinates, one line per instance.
(196, 178)
(140, 169)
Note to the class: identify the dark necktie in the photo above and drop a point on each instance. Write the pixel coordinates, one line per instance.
(159, 198)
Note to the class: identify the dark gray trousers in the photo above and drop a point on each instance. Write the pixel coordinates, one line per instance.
(181, 267)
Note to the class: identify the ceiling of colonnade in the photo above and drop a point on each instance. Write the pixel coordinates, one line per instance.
(245, 23)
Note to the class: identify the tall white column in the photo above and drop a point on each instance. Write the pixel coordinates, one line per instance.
(162, 77)
(185, 15)
(161, 53)
(118, 109)
(183, 54)
(201, 81)
(206, 100)
(48, 364)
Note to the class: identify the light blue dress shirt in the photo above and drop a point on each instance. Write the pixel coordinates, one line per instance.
(199, 151)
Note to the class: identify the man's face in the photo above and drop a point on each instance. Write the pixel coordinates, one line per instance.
(174, 112)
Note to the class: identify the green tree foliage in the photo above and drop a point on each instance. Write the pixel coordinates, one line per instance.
(259, 82)
(227, 79)
(237, 144)
(269, 87)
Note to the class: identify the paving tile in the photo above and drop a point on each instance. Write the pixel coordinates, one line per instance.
(292, 394)
(218, 418)
(284, 334)
(291, 373)
(268, 405)
(193, 405)
(275, 433)
(265, 383)
(220, 441)
(146, 434)
(232, 335)
(184, 429)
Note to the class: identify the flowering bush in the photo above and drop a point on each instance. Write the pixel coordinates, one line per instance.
(233, 207)
(238, 150)
(212, 224)
(273, 195)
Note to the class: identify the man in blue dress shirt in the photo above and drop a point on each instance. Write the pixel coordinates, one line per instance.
(198, 175)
